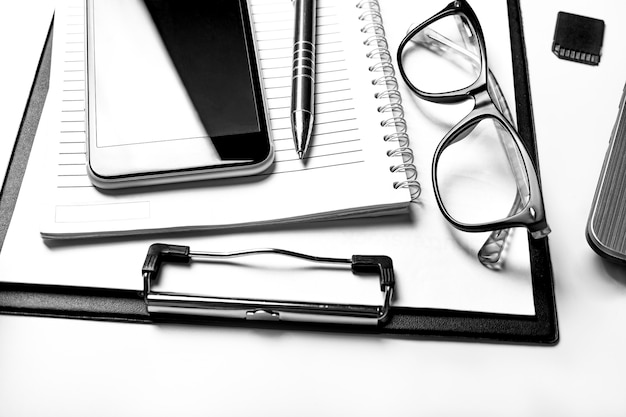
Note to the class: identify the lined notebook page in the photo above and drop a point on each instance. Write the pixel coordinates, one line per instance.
(347, 172)
(72, 139)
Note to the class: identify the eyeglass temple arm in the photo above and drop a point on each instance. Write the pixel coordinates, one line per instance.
(490, 253)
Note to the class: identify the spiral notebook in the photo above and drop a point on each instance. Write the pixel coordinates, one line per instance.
(359, 164)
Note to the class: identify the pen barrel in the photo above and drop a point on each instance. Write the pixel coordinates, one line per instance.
(305, 21)
(303, 69)
(303, 92)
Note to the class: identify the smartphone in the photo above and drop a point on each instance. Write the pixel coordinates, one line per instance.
(174, 92)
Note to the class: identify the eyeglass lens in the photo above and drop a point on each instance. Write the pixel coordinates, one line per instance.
(482, 178)
(444, 56)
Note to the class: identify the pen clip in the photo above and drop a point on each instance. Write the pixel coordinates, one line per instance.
(267, 310)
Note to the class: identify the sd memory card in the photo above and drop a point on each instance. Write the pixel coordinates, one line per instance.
(578, 38)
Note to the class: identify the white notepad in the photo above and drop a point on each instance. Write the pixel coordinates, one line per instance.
(349, 172)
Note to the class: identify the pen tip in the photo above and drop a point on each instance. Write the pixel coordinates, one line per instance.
(302, 127)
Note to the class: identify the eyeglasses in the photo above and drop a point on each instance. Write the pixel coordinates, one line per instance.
(483, 176)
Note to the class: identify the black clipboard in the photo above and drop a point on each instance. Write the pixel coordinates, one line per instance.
(427, 323)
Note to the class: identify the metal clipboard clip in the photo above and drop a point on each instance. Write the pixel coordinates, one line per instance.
(256, 309)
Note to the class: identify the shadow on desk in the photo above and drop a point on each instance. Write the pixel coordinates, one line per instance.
(614, 270)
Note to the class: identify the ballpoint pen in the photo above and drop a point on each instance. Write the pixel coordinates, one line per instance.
(303, 75)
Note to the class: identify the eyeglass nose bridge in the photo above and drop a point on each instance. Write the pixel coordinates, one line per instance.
(483, 99)
(484, 108)
(478, 90)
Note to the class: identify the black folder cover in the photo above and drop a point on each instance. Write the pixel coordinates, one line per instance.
(129, 306)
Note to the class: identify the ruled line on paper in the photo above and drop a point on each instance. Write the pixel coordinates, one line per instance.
(71, 165)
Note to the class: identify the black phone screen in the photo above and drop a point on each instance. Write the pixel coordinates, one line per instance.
(210, 44)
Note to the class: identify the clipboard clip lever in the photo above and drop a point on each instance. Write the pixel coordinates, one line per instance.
(266, 310)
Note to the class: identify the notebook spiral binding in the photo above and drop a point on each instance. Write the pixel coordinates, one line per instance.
(392, 109)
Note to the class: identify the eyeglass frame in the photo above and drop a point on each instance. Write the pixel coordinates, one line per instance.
(532, 216)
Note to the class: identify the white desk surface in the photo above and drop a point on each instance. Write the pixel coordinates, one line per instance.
(23, 28)
(75, 368)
